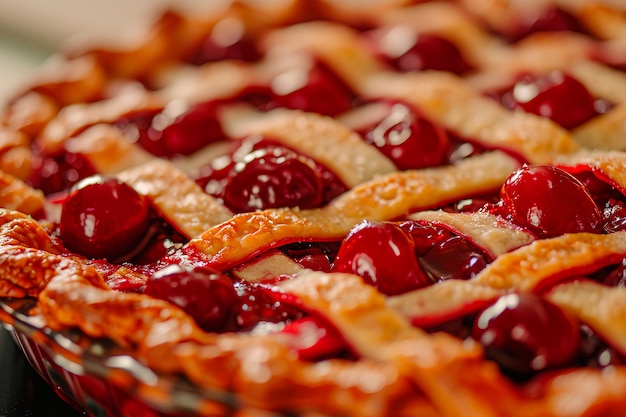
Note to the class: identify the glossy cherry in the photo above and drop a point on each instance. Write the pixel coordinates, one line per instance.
(525, 333)
(225, 43)
(191, 131)
(382, 253)
(104, 218)
(56, 174)
(258, 303)
(313, 89)
(616, 277)
(170, 131)
(410, 140)
(209, 297)
(454, 258)
(317, 256)
(313, 339)
(273, 177)
(163, 241)
(557, 96)
(444, 255)
(428, 52)
(552, 19)
(549, 202)
(425, 235)
(614, 216)
(595, 352)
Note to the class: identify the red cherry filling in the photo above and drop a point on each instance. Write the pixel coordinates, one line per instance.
(454, 258)
(273, 177)
(474, 204)
(259, 303)
(552, 19)
(525, 333)
(443, 255)
(419, 52)
(103, 218)
(557, 96)
(311, 88)
(614, 216)
(314, 340)
(549, 202)
(227, 40)
(616, 276)
(60, 173)
(409, 140)
(174, 131)
(609, 196)
(595, 352)
(318, 256)
(207, 296)
(383, 254)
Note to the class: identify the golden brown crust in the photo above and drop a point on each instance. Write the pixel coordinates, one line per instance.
(610, 164)
(74, 118)
(599, 306)
(490, 232)
(535, 139)
(15, 154)
(176, 197)
(536, 265)
(531, 268)
(321, 138)
(16, 195)
(386, 198)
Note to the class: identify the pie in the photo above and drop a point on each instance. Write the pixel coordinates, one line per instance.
(320, 208)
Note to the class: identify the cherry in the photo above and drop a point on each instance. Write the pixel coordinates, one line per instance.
(599, 188)
(60, 173)
(382, 253)
(104, 218)
(192, 130)
(209, 297)
(170, 132)
(552, 19)
(317, 256)
(273, 177)
(315, 89)
(427, 52)
(617, 276)
(472, 205)
(409, 140)
(425, 235)
(614, 216)
(444, 255)
(557, 96)
(258, 303)
(314, 340)
(228, 41)
(548, 201)
(164, 240)
(525, 333)
(137, 127)
(595, 352)
(453, 258)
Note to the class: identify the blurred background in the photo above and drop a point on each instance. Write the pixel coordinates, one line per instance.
(31, 30)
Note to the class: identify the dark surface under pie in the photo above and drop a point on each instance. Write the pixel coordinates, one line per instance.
(23, 393)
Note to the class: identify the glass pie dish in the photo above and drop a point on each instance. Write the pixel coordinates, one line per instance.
(100, 379)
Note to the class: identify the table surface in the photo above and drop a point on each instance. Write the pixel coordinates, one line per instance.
(23, 393)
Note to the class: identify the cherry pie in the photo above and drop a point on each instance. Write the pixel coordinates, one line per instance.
(409, 208)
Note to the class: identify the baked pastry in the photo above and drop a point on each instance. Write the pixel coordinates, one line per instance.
(394, 210)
